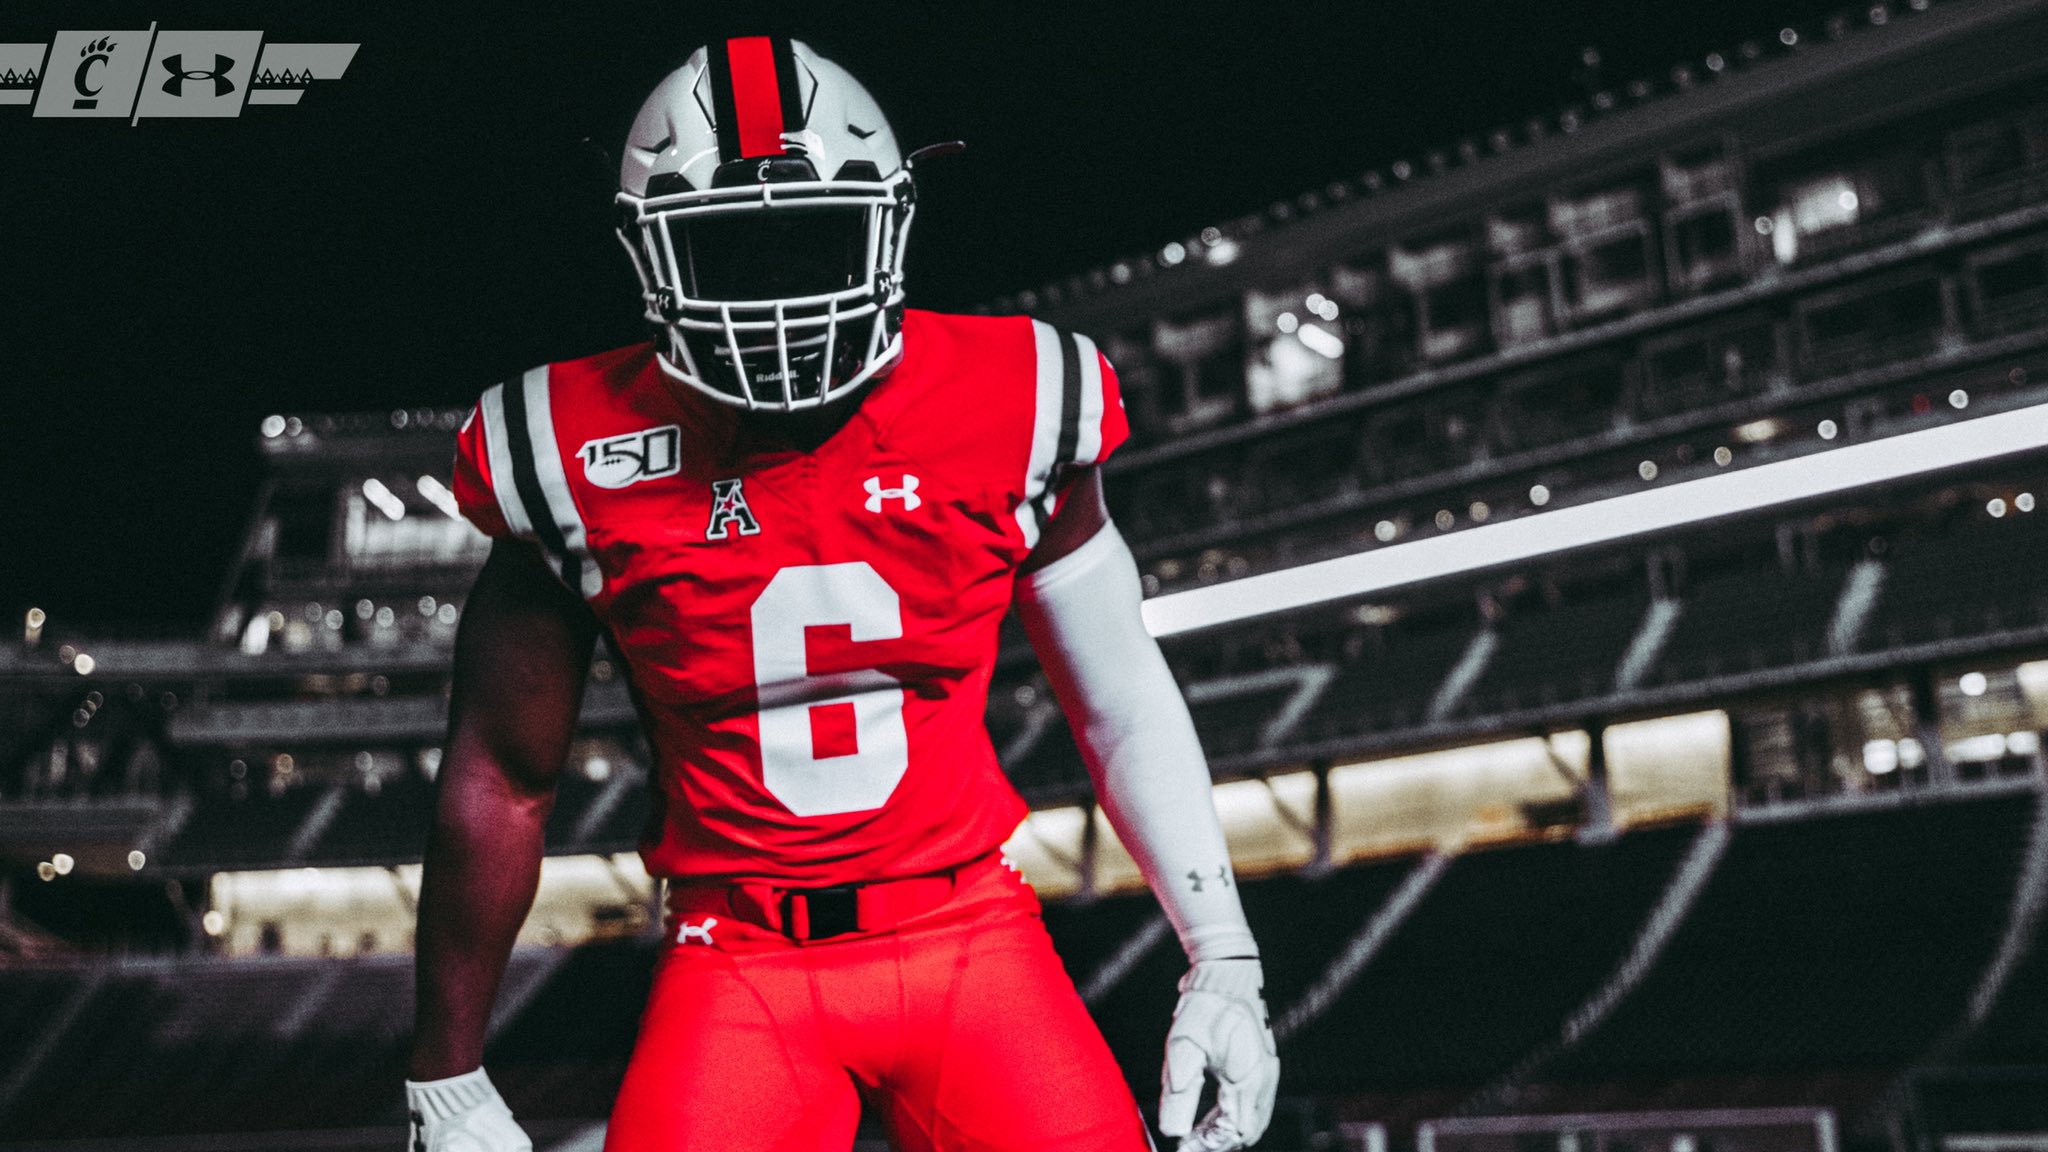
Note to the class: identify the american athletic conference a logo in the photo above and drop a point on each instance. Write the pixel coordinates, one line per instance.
(160, 73)
(729, 511)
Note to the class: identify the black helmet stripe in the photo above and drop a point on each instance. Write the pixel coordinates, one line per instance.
(754, 95)
(786, 83)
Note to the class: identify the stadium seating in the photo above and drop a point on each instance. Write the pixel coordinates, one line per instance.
(1738, 616)
(2016, 1030)
(33, 1000)
(1088, 932)
(1316, 915)
(574, 793)
(1824, 955)
(375, 827)
(1981, 575)
(1842, 941)
(564, 1052)
(255, 828)
(1553, 653)
(1488, 966)
(1976, 1098)
(1390, 682)
(1050, 765)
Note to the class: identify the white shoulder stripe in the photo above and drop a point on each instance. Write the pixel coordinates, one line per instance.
(1088, 445)
(498, 451)
(1045, 426)
(554, 486)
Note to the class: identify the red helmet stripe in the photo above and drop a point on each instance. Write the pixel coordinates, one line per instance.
(756, 95)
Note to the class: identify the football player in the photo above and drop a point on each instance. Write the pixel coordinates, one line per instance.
(799, 515)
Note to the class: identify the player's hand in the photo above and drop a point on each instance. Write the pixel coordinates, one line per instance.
(1220, 1028)
(462, 1114)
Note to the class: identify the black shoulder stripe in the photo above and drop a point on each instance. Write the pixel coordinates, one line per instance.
(1070, 400)
(526, 480)
(1069, 350)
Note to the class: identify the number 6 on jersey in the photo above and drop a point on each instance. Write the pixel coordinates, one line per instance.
(833, 743)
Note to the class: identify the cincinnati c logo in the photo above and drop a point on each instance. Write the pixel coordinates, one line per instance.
(93, 55)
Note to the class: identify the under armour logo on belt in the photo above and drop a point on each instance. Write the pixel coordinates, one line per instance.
(907, 493)
(180, 74)
(698, 932)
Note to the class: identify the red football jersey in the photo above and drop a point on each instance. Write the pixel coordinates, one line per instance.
(809, 634)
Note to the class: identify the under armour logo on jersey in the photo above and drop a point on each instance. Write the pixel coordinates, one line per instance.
(729, 510)
(699, 932)
(907, 493)
(649, 454)
(1222, 877)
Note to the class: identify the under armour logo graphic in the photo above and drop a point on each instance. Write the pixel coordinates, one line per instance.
(907, 493)
(729, 510)
(181, 74)
(1221, 877)
(698, 932)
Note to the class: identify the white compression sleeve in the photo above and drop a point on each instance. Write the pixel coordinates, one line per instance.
(1082, 614)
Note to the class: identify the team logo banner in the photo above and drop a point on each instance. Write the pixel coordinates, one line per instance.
(162, 73)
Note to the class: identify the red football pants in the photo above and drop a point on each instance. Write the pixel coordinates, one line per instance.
(960, 1027)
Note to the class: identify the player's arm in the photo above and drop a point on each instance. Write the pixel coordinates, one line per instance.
(521, 657)
(1079, 595)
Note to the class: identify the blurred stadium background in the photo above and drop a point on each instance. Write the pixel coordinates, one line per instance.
(1728, 837)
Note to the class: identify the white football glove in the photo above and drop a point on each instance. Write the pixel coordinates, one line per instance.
(462, 1114)
(1220, 1027)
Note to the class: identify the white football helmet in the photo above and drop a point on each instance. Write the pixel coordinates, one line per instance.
(765, 204)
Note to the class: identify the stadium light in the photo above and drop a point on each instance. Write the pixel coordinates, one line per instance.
(439, 496)
(1321, 342)
(1710, 498)
(384, 498)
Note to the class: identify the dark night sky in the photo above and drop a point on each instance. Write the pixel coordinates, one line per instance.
(429, 224)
